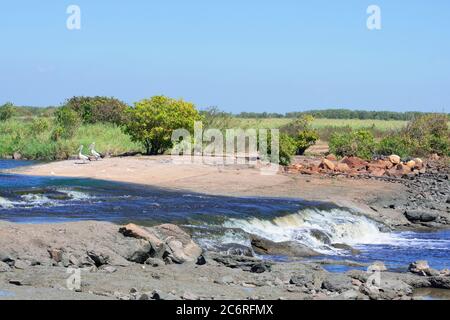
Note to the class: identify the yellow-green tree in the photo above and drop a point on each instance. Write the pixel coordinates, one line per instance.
(152, 121)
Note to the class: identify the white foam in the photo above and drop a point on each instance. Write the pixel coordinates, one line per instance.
(5, 203)
(37, 199)
(76, 195)
(339, 226)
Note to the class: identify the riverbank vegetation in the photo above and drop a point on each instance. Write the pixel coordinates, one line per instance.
(54, 133)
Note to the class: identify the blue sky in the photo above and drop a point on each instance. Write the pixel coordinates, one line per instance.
(251, 55)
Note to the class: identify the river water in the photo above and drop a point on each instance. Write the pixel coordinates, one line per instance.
(218, 222)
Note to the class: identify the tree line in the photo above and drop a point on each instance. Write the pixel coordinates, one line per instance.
(339, 114)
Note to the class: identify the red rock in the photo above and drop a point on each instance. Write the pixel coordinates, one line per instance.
(331, 157)
(354, 162)
(378, 172)
(327, 164)
(342, 167)
(411, 164)
(394, 159)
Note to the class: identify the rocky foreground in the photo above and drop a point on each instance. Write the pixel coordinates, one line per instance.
(99, 260)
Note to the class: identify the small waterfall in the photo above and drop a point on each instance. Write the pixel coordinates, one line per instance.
(317, 229)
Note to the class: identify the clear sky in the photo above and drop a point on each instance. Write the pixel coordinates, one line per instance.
(239, 55)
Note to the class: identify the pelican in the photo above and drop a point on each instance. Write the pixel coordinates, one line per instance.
(93, 152)
(81, 156)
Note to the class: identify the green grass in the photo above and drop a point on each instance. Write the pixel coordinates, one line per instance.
(272, 123)
(22, 137)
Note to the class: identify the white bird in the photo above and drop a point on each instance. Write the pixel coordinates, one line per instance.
(81, 156)
(93, 152)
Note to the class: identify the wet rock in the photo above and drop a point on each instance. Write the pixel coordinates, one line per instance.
(288, 248)
(422, 268)
(346, 247)
(440, 282)
(321, 236)
(235, 249)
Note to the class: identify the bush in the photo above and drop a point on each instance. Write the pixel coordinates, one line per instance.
(302, 133)
(39, 125)
(98, 109)
(428, 134)
(286, 148)
(6, 111)
(67, 123)
(152, 121)
(394, 144)
(358, 143)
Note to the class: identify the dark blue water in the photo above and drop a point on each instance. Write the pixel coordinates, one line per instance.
(25, 199)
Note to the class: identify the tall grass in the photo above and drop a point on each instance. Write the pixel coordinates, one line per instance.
(36, 143)
(326, 127)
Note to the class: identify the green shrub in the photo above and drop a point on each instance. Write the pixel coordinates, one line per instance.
(287, 147)
(358, 143)
(152, 121)
(6, 111)
(394, 144)
(98, 109)
(302, 132)
(67, 122)
(39, 125)
(428, 134)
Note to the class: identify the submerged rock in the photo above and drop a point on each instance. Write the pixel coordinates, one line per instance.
(288, 248)
(346, 247)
